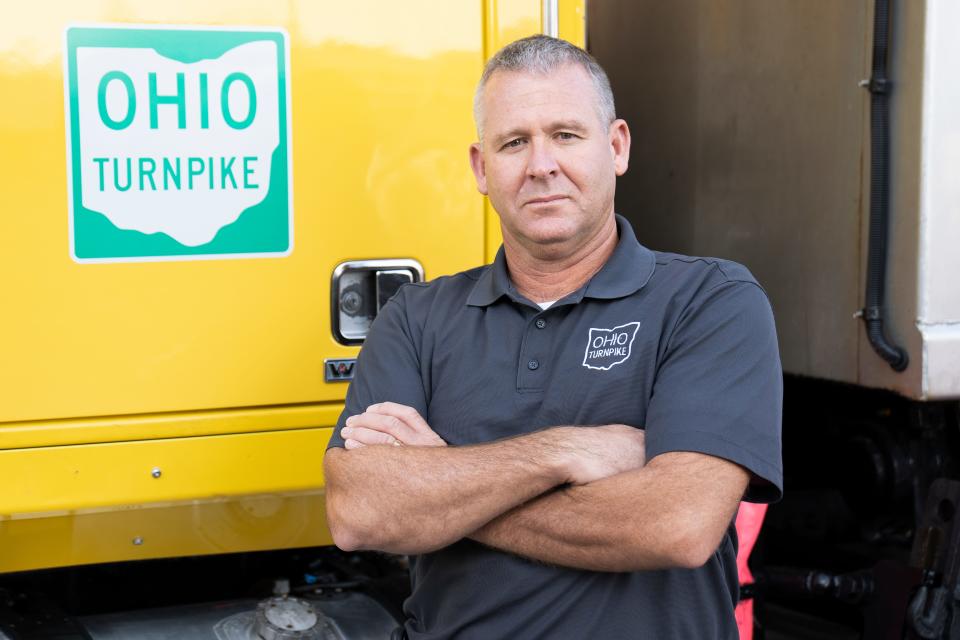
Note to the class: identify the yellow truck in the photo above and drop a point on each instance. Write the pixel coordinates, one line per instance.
(204, 206)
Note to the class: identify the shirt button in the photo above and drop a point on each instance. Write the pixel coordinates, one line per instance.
(533, 365)
(541, 323)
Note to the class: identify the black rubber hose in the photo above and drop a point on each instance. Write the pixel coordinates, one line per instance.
(880, 193)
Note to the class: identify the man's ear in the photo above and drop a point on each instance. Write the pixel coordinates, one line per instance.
(479, 168)
(620, 145)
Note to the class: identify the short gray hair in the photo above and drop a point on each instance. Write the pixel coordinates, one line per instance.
(542, 54)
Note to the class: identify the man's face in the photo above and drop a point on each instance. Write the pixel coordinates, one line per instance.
(547, 161)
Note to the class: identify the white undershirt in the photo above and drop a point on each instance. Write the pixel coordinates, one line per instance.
(545, 305)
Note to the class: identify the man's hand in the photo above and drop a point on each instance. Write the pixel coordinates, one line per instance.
(589, 453)
(389, 423)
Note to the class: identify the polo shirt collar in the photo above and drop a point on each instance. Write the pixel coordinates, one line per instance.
(492, 284)
(628, 269)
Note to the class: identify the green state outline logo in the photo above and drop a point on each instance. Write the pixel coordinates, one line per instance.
(264, 229)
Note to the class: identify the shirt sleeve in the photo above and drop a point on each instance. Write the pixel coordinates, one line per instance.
(388, 368)
(719, 387)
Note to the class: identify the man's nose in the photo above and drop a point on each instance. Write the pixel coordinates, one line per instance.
(542, 163)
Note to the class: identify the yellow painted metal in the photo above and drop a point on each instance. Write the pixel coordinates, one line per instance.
(572, 21)
(212, 371)
(381, 122)
(47, 433)
(247, 523)
(47, 480)
(181, 496)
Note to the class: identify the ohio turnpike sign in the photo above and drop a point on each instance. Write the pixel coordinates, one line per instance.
(178, 143)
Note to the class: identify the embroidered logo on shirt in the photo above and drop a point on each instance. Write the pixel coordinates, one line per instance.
(609, 347)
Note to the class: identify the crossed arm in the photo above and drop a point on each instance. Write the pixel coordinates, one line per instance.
(571, 496)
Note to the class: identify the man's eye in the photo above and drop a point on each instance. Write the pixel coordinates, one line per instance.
(516, 142)
(566, 135)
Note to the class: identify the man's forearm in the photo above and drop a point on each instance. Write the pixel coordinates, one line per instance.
(640, 520)
(418, 499)
(579, 527)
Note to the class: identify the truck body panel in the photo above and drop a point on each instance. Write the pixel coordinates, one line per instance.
(752, 136)
(178, 406)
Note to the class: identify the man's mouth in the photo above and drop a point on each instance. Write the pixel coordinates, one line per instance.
(545, 199)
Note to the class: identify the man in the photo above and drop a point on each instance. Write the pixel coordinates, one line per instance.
(459, 442)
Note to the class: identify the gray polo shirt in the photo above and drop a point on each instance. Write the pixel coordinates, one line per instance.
(682, 347)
